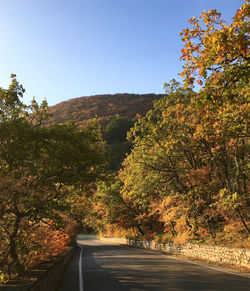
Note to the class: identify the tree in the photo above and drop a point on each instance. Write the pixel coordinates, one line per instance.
(116, 130)
(38, 165)
(163, 155)
(187, 172)
(115, 134)
(181, 172)
(217, 55)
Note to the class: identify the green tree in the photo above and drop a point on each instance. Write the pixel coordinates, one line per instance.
(116, 130)
(38, 164)
(118, 147)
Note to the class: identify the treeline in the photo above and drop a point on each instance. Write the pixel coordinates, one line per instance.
(186, 177)
(106, 107)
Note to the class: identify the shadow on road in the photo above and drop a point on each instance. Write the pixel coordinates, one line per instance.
(114, 267)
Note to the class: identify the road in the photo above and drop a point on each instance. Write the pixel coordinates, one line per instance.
(102, 266)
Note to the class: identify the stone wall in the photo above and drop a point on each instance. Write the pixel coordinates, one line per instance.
(44, 277)
(230, 256)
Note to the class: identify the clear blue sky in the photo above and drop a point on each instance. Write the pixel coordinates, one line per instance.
(62, 49)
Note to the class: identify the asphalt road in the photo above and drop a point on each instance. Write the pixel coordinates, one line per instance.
(111, 267)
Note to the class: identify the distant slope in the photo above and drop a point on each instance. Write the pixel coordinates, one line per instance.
(106, 107)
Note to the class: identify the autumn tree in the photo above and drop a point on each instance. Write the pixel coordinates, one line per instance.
(216, 55)
(168, 161)
(187, 172)
(38, 167)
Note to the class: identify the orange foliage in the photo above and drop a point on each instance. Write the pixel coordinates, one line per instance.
(49, 241)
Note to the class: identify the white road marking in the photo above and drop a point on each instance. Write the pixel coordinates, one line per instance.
(80, 272)
(191, 262)
(207, 266)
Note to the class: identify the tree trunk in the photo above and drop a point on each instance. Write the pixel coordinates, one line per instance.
(242, 220)
(14, 265)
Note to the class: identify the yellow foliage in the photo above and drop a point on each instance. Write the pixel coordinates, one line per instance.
(182, 238)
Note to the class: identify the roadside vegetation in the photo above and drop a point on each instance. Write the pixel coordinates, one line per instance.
(186, 178)
(40, 167)
(181, 175)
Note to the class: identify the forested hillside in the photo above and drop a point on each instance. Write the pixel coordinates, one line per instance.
(116, 114)
(106, 107)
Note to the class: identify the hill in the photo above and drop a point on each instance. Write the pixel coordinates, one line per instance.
(106, 107)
